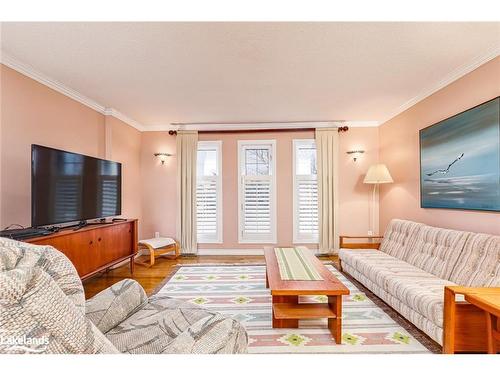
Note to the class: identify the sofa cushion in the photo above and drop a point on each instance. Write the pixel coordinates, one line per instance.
(166, 325)
(436, 250)
(376, 265)
(419, 320)
(423, 293)
(479, 263)
(414, 287)
(398, 236)
(114, 304)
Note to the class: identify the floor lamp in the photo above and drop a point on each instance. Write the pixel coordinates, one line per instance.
(377, 174)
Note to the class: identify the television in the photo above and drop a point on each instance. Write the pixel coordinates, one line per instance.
(68, 187)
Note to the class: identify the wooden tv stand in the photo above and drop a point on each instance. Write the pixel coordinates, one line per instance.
(95, 248)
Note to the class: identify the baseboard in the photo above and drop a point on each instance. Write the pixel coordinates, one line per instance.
(230, 252)
(224, 252)
(236, 252)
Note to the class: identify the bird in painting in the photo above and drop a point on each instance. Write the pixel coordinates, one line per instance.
(445, 171)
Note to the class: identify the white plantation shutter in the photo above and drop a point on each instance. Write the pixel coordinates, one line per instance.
(206, 209)
(257, 207)
(305, 192)
(209, 192)
(257, 219)
(307, 209)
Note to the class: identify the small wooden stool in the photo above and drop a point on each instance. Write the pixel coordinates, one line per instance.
(159, 246)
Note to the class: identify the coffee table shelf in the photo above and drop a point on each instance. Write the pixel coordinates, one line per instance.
(303, 311)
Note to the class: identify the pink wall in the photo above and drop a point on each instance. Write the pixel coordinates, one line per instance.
(355, 197)
(159, 204)
(399, 149)
(159, 193)
(124, 146)
(34, 113)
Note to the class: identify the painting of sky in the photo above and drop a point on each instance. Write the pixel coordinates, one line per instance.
(460, 160)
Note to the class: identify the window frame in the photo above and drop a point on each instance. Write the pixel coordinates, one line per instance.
(242, 146)
(218, 238)
(297, 237)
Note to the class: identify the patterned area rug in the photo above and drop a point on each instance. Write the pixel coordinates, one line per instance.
(239, 291)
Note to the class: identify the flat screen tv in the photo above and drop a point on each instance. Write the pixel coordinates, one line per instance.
(68, 187)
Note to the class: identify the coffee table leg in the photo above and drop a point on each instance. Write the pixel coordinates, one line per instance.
(491, 325)
(267, 281)
(335, 324)
(285, 323)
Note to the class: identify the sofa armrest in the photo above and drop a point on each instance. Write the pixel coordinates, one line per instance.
(115, 304)
(359, 245)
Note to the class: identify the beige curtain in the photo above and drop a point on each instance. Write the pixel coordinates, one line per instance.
(327, 145)
(187, 144)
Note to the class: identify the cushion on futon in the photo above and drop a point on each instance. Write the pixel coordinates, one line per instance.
(436, 250)
(412, 286)
(479, 263)
(398, 236)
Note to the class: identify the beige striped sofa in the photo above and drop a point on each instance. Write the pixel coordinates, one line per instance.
(414, 264)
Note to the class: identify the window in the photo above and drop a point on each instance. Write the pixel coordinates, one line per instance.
(305, 187)
(257, 189)
(209, 192)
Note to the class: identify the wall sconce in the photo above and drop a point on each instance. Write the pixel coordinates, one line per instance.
(162, 156)
(355, 154)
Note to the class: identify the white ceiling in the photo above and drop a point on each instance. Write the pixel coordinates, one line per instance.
(159, 73)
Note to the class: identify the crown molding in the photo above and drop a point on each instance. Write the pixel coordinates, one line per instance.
(34, 74)
(122, 117)
(450, 78)
(160, 128)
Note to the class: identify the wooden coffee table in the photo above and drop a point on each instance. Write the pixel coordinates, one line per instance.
(287, 311)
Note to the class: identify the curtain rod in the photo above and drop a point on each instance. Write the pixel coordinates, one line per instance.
(339, 128)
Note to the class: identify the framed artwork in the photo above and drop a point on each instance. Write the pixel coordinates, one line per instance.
(460, 160)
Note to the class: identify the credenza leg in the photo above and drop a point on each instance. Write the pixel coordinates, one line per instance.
(132, 267)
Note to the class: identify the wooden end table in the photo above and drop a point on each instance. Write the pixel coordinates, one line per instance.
(287, 311)
(490, 304)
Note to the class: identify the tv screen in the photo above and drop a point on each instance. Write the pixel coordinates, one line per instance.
(67, 187)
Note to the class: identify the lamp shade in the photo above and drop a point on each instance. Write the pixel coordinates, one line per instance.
(378, 174)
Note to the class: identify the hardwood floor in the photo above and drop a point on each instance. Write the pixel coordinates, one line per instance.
(149, 278)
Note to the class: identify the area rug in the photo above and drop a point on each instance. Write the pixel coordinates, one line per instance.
(239, 291)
